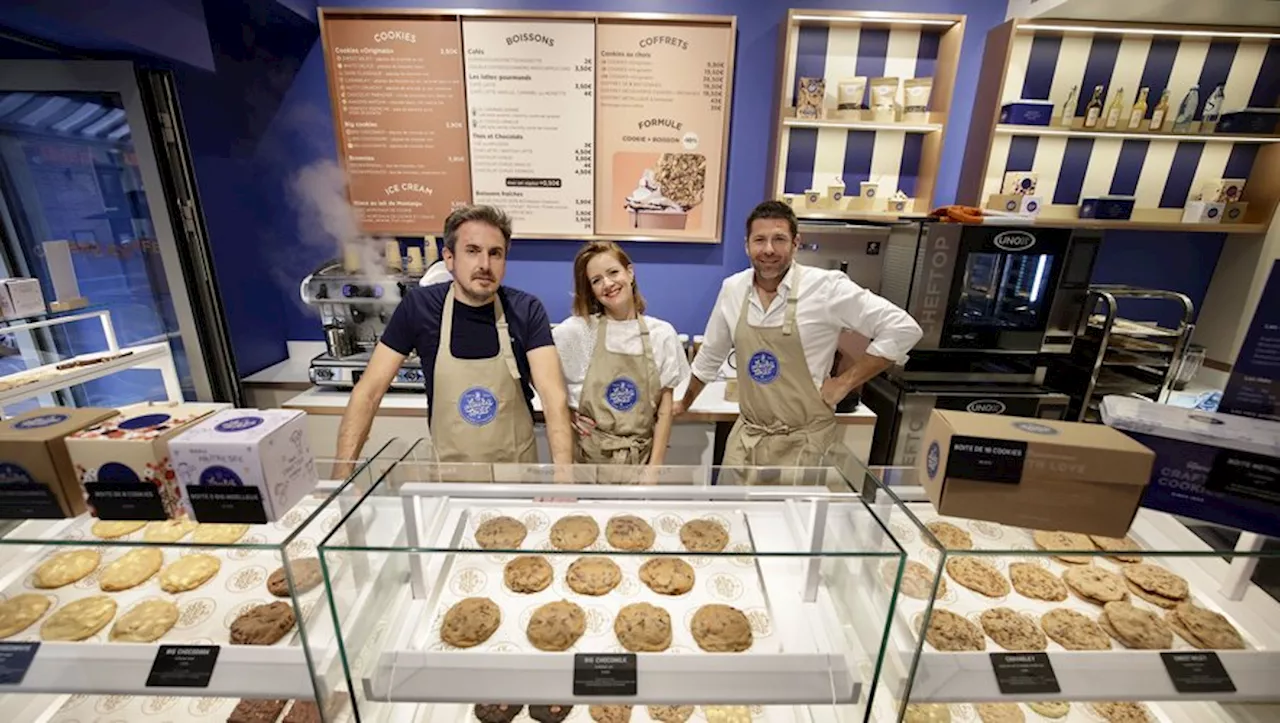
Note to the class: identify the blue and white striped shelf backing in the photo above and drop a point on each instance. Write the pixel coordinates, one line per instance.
(813, 157)
(1159, 173)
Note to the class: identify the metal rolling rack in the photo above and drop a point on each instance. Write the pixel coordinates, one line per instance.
(1113, 355)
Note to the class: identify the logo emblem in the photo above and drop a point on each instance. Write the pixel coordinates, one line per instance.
(931, 460)
(146, 421)
(1213, 213)
(116, 472)
(763, 367)
(1014, 241)
(986, 406)
(44, 420)
(622, 394)
(1032, 206)
(238, 424)
(14, 474)
(1035, 428)
(478, 406)
(221, 476)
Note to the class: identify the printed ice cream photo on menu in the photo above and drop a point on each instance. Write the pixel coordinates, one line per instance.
(663, 190)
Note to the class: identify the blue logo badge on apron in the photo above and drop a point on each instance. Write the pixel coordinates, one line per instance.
(44, 420)
(622, 394)
(763, 367)
(478, 406)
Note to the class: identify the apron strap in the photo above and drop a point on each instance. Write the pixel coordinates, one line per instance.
(644, 339)
(443, 348)
(793, 299)
(504, 338)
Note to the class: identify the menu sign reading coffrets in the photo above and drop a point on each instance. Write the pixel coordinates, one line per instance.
(402, 126)
(530, 113)
(660, 127)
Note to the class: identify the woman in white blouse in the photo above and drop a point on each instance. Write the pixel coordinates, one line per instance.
(621, 366)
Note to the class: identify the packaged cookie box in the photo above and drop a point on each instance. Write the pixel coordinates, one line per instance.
(244, 465)
(123, 463)
(37, 480)
(1036, 473)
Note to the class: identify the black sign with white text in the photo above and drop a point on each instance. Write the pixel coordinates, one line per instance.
(28, 501)
(126, 500)
(986, 460)
(1024, 673)
(183, 666)
(15, 660)
(1200, 672)
(216, 503)
(604, 674)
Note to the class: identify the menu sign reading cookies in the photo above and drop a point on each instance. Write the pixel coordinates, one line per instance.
(530, 113)
(661, 101)
(401, 117)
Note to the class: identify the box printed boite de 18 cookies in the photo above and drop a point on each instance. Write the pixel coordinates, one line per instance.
(133, 447)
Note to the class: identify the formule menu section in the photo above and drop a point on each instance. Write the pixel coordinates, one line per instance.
(578, 125)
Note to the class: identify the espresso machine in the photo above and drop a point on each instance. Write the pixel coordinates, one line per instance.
(996, 303)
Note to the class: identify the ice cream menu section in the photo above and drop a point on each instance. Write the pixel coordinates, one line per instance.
(401, 116)
(662, 94)
(530, 116)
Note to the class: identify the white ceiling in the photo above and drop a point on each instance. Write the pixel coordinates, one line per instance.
(1264, 13)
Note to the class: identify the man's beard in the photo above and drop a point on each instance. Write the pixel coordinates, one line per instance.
(480, 298)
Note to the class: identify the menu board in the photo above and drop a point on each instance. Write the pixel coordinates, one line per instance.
(401, 117)
(660, 128)
(530, 114)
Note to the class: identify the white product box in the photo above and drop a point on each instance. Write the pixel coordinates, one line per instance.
(1203, 212)
(1015, 203)
(218, 460)
(1223, 190)
(20, 297)
(1020, 182)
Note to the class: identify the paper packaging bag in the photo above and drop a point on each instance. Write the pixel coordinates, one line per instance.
(244, 465)
(37, 480)
(809, 97)
(123, 463)
(1036, 473)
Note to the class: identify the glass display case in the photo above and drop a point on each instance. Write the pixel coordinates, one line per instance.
(171, 621)
(609, 594)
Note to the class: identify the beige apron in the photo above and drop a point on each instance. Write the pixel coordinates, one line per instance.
(783, 422)
(620, 394)
(479, 413)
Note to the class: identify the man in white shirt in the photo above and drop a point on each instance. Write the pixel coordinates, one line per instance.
(784, 320)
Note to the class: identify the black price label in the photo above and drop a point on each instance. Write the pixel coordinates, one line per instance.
(986, 460)
(183, 666)
(126, 500)
(608, 674)
(1029, 673)
(15, 660)
(28, 501)
(1197, 673)
(1247, 475)
(216, 503)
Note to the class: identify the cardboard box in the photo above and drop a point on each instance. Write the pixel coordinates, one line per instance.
(1114, 208)
(1035, 473)
(1015, 203)
(1027, 113)
(1020, 182)
(1223, 190)
(1203, 212)
(20, 298)
(1235, 212)
(123, 463)
(244, 465)
(37, 480)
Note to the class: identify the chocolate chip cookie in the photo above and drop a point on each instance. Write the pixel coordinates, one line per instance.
(670, 713)
(1122, 712)
(1065, 542)
(917, 580)
(1135, 627)
(1204, 629)
(496, 712)
(263, 624)
(306, 576)
(667, 575)
(550, 713)
(593, 575)
(927, 713)
(1012, 631)
(470, 622)
(951, 537)
(1096, 585)
(251, 710)
(1033, 581)
(1051, 708)
(575, 532)
(527, 574)
(703, 536)
(948, 631)
(556, 626)
(978, 575)
(1000, 713)
(721, 629)
(628, 532)
(643, 628)
(1118, 547)
(1073, 630)
(610, 713)
(501, 533)
(1156, 585)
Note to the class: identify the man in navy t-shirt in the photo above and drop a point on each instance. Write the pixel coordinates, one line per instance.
(481, 347)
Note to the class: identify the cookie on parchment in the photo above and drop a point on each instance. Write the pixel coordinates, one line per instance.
(496, 712)
(79, 619)
(501, 533)
(189, 573)
(726, 713)
(1203, 628)
(670, 713)
(1033, 581)
(219, 533)
(527, 574)
(721, 629)
(303, 711)
(470, 621)
(1125, 712)
(1118, 547)
(1000, 713)
(1135, 627)
(917, 580)
(263, 624)
(65, 568)
(593, 575)
(703, 536)
(1065, 542)
(306, 576)
(628, 532)
(927, 713)
(113, 529)
(948, 631)
(667, 575)
(20, 611)
(556, 626)
(1051, 708)
(1096, 585)
(256, 710)
(550, 713)
(1074, 631)
(1012, 630)
(575, 532)
(951, 537)
(132, 569)
(643, 628)
(1156, 585)
(145, 622)
(978, 575)
(610, 713)
(168, 530)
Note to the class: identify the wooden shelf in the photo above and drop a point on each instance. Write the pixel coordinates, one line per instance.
(861, 125)
(803, 216)
(1041, 131)
(1250, 228)
(889, 20)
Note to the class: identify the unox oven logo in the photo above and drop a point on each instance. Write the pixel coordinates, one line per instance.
(1014, 241)
(622, 394)
(238, 424)
(986, 406)
(220, 476)
(44, 420)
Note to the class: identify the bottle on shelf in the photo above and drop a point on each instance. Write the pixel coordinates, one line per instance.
(1115, 108)
(1139, 109)
(1187, 110)
(1069, 108)
(1093, 111)
(1160, 113)
(1213, 106)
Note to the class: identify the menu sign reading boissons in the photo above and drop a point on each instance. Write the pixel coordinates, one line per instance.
(660, 116)
(401, 115)
(530, 116)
